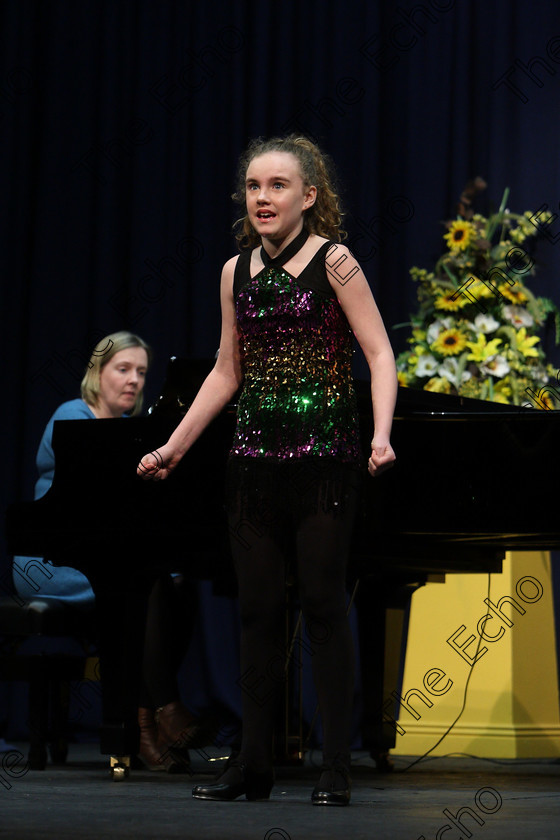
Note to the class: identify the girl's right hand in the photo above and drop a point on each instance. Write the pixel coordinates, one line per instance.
(157, 465)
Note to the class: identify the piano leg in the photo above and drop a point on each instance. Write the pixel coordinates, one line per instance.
(120, 767)
(382, 606)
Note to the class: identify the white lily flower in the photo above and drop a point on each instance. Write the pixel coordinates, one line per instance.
(436, 327)
(518, 316)
(540, 375)
(427, 365)
(485, 324)
(495, 366)
(449, 370)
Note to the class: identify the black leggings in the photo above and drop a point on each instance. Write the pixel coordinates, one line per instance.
(279, 512)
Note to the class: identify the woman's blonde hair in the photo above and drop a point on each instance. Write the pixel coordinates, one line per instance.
(324, 217)
(103, 352)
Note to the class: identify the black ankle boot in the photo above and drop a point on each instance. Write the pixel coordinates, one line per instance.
(334, 785)
(237, 780)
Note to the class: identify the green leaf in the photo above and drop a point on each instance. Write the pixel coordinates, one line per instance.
(497, 218)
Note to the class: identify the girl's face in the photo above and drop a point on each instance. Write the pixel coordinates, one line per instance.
(276, 195)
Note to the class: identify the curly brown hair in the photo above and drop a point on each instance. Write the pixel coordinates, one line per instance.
(324, 217)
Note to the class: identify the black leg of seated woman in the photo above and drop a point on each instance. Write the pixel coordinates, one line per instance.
(167, 728)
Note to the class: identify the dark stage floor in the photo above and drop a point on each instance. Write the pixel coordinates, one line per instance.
(492, 800)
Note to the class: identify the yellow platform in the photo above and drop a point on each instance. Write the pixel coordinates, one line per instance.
(512, 704)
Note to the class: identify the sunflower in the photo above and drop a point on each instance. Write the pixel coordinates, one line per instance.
(450, 301)
(515, 293)
(450, 342)
(460, 235)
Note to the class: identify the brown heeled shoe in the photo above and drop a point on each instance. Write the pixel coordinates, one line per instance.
(181, 730)
(152, 751)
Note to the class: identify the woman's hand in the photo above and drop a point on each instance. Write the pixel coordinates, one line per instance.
(157, 465)
(382, 457)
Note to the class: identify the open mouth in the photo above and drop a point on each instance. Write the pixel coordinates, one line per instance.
(265, 215)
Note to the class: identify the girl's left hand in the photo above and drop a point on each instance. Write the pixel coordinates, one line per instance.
(382, 457)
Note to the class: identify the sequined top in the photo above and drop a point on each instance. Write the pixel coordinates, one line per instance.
(298, 397)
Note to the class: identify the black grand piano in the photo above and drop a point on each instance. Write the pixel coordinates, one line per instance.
(449, 505)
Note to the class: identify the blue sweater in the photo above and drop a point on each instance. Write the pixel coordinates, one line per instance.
(34, 578)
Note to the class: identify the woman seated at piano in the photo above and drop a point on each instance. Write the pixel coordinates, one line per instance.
(112, 387)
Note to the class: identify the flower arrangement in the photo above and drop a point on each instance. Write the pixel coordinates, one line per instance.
(475, 333)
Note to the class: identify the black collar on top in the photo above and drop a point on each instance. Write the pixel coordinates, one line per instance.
(288, 252)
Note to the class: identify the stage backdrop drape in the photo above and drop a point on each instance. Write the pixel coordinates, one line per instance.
(122, 120)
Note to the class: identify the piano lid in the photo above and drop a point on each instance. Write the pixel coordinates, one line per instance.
(185, 376)
(411, 401)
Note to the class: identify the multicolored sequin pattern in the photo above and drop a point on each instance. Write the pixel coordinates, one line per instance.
(298, 397)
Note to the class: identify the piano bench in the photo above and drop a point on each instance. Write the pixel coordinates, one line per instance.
(48, 675)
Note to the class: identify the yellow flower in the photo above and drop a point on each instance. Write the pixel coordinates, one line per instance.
(500, 398)
(494, 354)
(438, 384)
(470, 388)
(477, 289)
(513, 293)
(450, 342)
(502, 389)
(451, 301)
(501, 250)
(526, 344)
(482, 349)
(519, 234)
(547, 401)
(402, 378)
(421, 274)
(460, 235)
